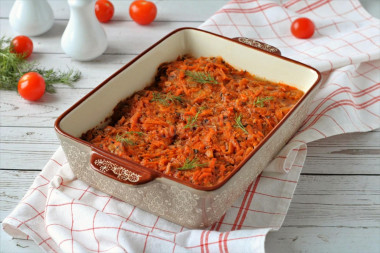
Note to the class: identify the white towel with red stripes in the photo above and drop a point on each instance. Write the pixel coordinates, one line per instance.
(63, 214)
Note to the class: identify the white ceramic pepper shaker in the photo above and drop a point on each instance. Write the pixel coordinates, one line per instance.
(31, 17)
(84, 38)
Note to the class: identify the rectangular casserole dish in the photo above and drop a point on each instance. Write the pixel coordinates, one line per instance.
(179, 202)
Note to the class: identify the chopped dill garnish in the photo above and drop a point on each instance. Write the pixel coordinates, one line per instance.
(201, 77)
(239, 124)
(134, 132)
(192, 120)
(188, 165)
(165, 98)
(121, 138)
(125, 140)
(14, 66)
(259, 102)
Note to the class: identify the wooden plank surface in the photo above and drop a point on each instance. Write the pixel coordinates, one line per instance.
(139, 37)
(184, 10)
(323, 239)
(337, 201)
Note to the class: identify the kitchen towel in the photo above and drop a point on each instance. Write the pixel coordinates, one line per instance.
(63, 214)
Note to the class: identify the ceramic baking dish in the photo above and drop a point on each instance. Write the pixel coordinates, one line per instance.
(182, 203)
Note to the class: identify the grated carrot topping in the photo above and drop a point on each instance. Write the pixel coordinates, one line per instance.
(198, 121)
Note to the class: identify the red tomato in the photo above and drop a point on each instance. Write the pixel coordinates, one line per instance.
(302, 28)
(104, 10)
(31, 86)
(143, 12)
(22, 45)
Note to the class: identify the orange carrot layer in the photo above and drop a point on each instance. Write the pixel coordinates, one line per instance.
(198, 121)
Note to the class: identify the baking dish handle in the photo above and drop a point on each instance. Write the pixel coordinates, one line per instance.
(258, 44)
(122, 171)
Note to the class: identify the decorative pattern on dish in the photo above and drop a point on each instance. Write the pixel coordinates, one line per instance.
(77, 158)
(121, 172)
(258, 44)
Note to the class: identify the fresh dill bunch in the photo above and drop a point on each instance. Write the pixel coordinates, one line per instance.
(188, 165)
(14, 66)
(53, 76)
(239, 124)
(201, 77)
(259, 102)
(125, 140)
(165, 98)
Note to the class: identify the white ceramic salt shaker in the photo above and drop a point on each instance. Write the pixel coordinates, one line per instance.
(84, 38)
(31, 17)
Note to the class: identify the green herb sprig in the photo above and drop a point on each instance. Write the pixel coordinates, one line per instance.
(192, 121)
(14, 66)
(188, 165)
(165, 98)
(201, 77)
(121, 138)
(124, 140)
(259, 102)
(134, 132)
(239, 124)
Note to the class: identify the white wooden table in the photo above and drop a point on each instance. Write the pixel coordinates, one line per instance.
(336, 206)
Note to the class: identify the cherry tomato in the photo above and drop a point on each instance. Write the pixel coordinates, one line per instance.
(31, 86)
(104, 10)
(302, 28)
(143, 12)
(22, 45)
